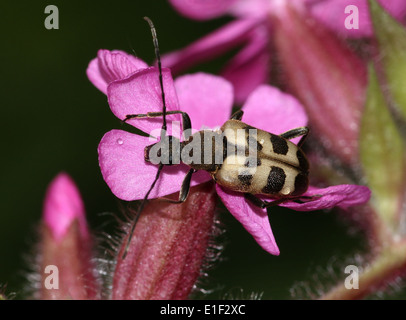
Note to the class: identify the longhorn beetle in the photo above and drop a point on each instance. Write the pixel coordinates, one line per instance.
(268, 165)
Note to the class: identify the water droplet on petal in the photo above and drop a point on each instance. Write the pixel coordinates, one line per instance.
(120, 141)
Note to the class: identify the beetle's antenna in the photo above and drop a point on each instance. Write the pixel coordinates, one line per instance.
(161, 83)
(141, 207)
(163, 133)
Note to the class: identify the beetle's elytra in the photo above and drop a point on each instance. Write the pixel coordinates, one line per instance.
(280, 168)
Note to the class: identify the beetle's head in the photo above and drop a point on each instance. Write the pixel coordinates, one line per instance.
(166, 151)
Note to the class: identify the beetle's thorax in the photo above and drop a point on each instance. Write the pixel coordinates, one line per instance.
(203, 150)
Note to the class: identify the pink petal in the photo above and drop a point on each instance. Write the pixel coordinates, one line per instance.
(332, 14)
(140, 93)
(251, 66)
(210, 46)
(121, 160)
(207, 99)
(254, 8)
(110, 66)
(254, 219)
(343, 196)
(269, 109)
(202, 9)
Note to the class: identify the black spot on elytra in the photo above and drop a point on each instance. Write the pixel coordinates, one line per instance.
(245, 178)
(253, 142)
(303, 163)
(301, 184)
(252, 162)
(225, 148)
(279, 145)
(276, 180)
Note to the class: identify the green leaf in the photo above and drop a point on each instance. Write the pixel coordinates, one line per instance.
(382, 153)
(391, 38)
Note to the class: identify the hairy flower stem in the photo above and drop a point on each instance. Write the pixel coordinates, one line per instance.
(386, 266)
(167, 250)
(72, 257)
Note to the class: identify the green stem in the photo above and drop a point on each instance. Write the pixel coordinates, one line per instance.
(385, 267)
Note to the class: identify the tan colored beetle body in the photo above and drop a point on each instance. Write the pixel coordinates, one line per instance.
(258, 162)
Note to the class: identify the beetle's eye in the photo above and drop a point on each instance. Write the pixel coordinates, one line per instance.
(147, 151)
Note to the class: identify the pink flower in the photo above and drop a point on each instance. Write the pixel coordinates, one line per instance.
(327, 77)
(252, 30)
(208, 100)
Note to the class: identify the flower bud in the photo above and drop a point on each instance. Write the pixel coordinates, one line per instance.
(65, 257)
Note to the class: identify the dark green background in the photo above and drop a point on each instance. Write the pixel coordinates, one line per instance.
(53, 118)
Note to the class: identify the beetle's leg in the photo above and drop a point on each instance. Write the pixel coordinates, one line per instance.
(305, 199)
(294, 133)
(186, 123)
(263, 204)
(184, 190)
(237, 115)
(266, 204)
